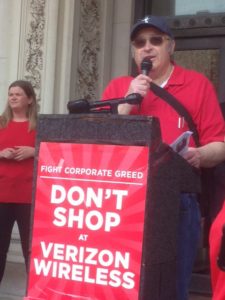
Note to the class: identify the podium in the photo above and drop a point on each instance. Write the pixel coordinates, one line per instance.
(168, 175)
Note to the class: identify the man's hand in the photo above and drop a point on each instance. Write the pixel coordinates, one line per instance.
(139, 85)
(193, 157)
(206, 156)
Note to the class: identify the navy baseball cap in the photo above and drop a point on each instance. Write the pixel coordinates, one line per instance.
(151, 21)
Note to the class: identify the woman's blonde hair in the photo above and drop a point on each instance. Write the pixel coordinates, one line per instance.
(28, 89)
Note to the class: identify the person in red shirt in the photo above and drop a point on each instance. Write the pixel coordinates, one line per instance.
(152, 39)
(216, 243)
(17, 142)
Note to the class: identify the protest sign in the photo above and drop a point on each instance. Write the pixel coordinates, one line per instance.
(88, 222)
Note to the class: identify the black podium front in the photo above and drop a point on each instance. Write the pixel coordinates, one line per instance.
(168, 176)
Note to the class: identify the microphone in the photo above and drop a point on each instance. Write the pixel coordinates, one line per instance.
(146, 66)
(78, 106)
(111, 105)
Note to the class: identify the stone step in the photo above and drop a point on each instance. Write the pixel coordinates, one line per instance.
(13, 285)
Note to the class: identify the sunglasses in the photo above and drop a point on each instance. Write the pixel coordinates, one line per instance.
(155, 40)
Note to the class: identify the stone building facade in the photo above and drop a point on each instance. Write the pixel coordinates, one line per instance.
(68, 49)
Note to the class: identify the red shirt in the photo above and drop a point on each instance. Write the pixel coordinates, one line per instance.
(217, 276)
(16, 176)
(193, 90)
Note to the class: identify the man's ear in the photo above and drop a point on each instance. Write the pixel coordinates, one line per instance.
(132, 51)
(171, 47)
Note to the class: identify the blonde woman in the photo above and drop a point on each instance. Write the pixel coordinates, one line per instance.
(17, 141)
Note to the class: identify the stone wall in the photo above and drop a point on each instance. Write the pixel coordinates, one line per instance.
(68, 49)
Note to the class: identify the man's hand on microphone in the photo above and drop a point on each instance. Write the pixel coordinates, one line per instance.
(139, 85)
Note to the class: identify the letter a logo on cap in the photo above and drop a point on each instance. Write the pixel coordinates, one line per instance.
(147, 19)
